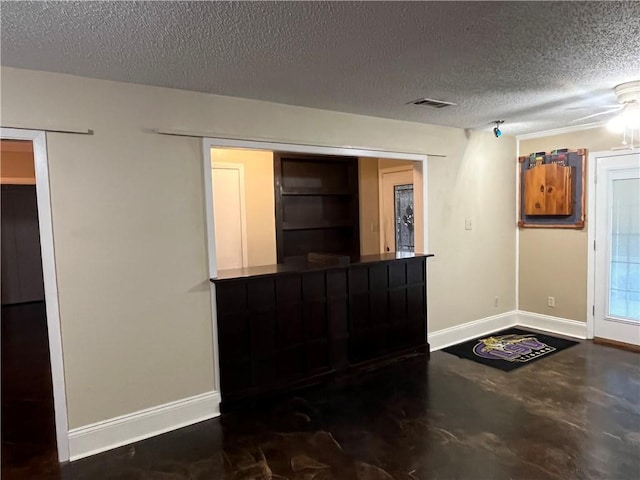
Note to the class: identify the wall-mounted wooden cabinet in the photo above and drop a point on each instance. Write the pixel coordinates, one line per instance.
(548, 190)
(552, 189)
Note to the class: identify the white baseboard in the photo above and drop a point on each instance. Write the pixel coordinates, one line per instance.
(115, 432)
(562, 326)
(467, 331)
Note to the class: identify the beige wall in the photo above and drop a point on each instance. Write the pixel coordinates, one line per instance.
(553, 262)
(259, 201)
(129, 224)
(471, 267)
(16, 163)
(369, 201)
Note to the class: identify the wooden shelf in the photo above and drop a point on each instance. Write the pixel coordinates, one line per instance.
(317, 207)
(314, 192)
(316, 225)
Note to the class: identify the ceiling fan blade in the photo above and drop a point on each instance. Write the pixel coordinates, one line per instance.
(608, 107)
(608, 112)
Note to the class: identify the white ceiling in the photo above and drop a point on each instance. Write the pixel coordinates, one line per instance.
(522, 62)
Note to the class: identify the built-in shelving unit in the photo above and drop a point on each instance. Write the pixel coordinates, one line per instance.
(317, 211)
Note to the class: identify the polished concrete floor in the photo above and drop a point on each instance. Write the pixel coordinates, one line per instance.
(27, 424)
(574, 415)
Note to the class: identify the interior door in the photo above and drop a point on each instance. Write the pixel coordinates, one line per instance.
(397, 215)
(617, 257)
(229, 215)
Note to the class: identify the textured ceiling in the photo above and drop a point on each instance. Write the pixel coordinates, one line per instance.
(524, 62)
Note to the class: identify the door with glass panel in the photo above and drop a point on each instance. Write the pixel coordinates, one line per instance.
(617, 283)
(397, 211)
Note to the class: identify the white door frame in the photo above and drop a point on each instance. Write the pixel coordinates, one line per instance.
(212, 142)
(591, 231)
(39, 140)
(243, 207)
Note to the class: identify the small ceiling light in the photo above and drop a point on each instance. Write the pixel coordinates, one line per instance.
(496, 130)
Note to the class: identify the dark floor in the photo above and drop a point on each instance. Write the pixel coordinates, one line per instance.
(28, 425)
(575, 415)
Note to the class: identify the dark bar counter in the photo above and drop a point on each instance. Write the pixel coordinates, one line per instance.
(281, 327)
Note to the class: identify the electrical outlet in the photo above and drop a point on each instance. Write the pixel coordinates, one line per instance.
(468, 224)
(551, 301)
(496, 301)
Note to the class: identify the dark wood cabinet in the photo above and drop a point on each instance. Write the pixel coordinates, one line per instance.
(280, 327)
(316, 200)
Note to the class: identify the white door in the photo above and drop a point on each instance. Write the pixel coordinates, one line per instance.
(617, 257)
(396, 211)
(229, 215)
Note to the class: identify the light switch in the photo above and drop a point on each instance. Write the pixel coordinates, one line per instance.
(468, 225)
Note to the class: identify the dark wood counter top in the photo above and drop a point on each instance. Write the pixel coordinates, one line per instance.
(266, 270)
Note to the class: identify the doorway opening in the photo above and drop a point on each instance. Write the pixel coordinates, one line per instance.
(399, 211)
(272, 207)
(34, 406)
(28, 416)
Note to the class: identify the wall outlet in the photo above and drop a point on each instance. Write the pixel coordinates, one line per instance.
(551, 301)
(496, 301)
(468, 224)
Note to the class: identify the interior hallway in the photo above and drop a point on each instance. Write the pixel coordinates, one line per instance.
(573, 415)
(28, 425)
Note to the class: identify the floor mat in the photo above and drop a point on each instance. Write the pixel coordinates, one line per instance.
(509, 349)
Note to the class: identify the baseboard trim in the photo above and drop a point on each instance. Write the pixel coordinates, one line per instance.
(461, 333)
(115, 432)
(548, 323)
(467, 331)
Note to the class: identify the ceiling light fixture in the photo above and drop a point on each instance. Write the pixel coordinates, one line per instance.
(496, 130)
(629, 118)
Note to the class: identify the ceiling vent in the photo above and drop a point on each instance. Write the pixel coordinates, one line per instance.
(430, 102)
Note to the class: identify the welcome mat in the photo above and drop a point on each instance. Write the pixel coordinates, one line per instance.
(509, 349)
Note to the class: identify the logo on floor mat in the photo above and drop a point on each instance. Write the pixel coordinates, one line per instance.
(513, 348)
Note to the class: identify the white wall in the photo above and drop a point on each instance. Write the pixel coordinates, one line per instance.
(129, 224)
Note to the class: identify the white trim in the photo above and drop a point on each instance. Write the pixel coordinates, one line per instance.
(208, 205)
(467, 331)
(243, 209)
(133, 427)
(211, 255)
(517, 218)
(425, 207)
(351, 151)
(50, 281)
(547, 323)
(559, 131)
(470, 330)
(591, 233)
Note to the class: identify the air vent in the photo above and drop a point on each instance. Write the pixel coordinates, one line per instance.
(430, 102)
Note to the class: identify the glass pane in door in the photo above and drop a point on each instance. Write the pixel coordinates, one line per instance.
(403, 196)
(624, 264)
